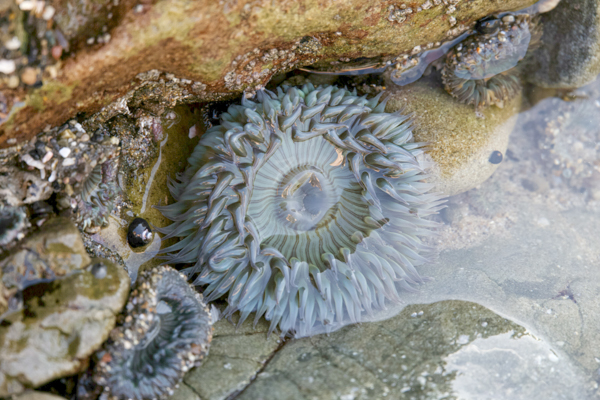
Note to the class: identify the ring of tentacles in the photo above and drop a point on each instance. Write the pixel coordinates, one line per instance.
(307, 206)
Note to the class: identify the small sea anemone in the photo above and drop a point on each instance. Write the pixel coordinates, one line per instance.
(165, 331)
(477, 70)
(13, 221)
(306, 206)
(96, 199)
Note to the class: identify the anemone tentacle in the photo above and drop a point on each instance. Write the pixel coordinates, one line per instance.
(306, 206)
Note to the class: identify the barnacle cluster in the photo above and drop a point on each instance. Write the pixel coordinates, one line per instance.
(165, 331)
(476, 70)
(306, 206)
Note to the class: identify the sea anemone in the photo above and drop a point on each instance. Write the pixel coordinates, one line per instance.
(165, 331)
(477, 70)
(306, 206)
(96, 198)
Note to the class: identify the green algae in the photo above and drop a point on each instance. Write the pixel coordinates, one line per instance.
(460, 141)
(52, 92)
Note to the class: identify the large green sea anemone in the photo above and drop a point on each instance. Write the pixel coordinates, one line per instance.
(306, 206)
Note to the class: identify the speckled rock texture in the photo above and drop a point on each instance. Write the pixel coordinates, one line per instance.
(63, 318)
(461, 141)
(36, 395)
(236, 356)
(223, 48)
(569, 56)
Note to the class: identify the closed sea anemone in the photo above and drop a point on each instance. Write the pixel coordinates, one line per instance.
(165, 331)
(96, 198)
(478, 72)
(306, 206)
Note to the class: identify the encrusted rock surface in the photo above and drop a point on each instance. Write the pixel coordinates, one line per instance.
(224, 48)
(569, 56)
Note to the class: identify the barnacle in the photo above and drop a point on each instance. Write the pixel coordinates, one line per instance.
(477, 70)
(166, 329)
(97, 195)
(307, 206)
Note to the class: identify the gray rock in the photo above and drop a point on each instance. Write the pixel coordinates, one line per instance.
(64, 318)
(443, 350)
(236, 356)
(569, 55)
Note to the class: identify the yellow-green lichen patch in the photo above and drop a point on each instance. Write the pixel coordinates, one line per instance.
(52, 92)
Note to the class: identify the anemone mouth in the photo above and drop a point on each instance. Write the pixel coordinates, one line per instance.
(165, 332)
(306, 206)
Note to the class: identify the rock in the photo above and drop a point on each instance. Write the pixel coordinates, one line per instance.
(461, 143)
(18, 187)
(36, 395)
(441, 350)
(218, 50)
(569, 54)
(61, 324)
(236, 356)
(53, 252)
(68, 308)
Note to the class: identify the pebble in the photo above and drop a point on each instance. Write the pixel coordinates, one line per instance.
(64, 152)
(47, 157)
(7, 66)
(68, 161)
(29, 76)
(13, 44)
(13, 81)
(57, 51)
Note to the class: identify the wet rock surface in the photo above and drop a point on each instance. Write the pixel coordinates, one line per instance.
(462, 143)
(569, 55)
(68, 305)
(236, 357)
(36, 395)
(52, 253)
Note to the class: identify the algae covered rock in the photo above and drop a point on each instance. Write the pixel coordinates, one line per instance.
(61, 324)
(569, 56)
(53, 252)
(465, 147)
(58, 307)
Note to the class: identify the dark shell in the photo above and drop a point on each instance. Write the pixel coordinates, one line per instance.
(139, 233)
(495, 157)
(165, 331)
